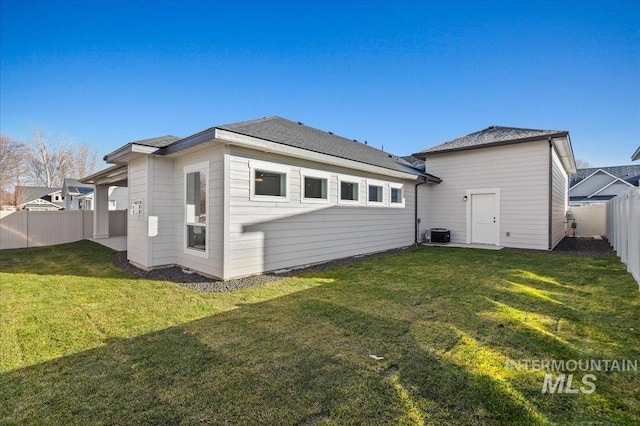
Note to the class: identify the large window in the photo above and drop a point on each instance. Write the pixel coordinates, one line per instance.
(196, 208)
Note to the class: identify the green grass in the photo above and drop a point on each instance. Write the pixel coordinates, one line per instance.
(84, 343)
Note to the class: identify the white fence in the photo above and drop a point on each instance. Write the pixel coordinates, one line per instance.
(623, 229)
(590, 220)
(34, 229)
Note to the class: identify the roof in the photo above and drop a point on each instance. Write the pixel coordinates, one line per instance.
(30, 193)
(493, 135)
(279, 131)
(629, 173)
(296, 134)
(636, 155)
(74, 186)
(159, 142)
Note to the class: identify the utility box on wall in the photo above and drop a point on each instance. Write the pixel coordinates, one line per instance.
(440, 235)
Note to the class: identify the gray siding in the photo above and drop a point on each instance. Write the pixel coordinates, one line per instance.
(137, 241)
(270, 235)
(521, 171)
(213, 264)
(559, 200)
(586, 187)
(162, 206)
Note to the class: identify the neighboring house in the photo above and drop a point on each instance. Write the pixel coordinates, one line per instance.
(504, 186)
(77, 195)
(271, 194)
(599, 184)
(636, 155)
(39, 198)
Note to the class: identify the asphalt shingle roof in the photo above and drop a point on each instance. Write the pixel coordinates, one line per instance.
(286, 132)
(494, 135)
(30, 193)
(159, 142)
(630, 173)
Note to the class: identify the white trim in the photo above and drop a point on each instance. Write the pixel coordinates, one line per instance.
(268, 167)
(599, 170)
(349, 179)
(268, 146)
(478, 191)
(186, 170)
(143, 149)
(609, 184)
(315, 174)
(400, 186)
(372, 182)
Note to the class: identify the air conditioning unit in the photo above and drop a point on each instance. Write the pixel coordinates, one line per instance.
(440, 235)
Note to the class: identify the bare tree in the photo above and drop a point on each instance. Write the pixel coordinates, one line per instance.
(50, 162)
(13, 156)
(581, 164)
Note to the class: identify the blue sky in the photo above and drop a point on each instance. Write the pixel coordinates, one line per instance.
(406, 75)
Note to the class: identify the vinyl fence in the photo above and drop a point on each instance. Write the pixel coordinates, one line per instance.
(590, 220)
(35, 229)
(623, 229)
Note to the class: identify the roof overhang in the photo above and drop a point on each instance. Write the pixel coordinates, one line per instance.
(562, 145)
(636, 155)
(114, 176)
(129, 151)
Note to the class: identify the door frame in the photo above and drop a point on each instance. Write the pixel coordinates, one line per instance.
(478, 191)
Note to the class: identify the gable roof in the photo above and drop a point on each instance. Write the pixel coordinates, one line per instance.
(636, 155)
(493, 135)
(629, 173)
(289, 136)
(30, 193)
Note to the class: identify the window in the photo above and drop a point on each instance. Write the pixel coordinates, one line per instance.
(112, 204)
(315, 188)
(396, 195)
(349, 191)
(196, 208)
(270, 183)
(374, 193)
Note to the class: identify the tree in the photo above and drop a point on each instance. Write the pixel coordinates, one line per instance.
(581, 164)
(51, 162)
(13, 171)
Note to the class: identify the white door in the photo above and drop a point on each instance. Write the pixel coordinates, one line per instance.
(484, 219)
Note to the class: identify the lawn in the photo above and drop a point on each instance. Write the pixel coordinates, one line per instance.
(84, 343)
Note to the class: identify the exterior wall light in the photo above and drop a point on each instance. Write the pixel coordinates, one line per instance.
(464, 198)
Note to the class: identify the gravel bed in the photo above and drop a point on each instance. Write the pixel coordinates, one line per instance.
(569, 246)
(195, 281)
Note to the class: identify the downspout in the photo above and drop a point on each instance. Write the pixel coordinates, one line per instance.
(549, 206)
(415, 218)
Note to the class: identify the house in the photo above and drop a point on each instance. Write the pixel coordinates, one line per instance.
(77, 195)
(501, 186)
(257, 196)
(271, 194)
(599, 184)
(39, 198)
(636, 155)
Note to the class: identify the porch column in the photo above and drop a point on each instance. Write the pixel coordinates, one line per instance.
(101, 212)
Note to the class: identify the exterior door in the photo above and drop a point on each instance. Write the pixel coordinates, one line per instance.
(484, 219)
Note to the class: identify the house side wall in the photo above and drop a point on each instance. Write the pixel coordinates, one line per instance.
(137, 242)
(213, 264)
(559, 199)
(119, 194)
(521, 171)
(271, 235)
(587, 187)
(615, 189)
(161, 208)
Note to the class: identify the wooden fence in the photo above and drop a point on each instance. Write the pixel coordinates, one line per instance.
(623, 229)
(35, 229)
